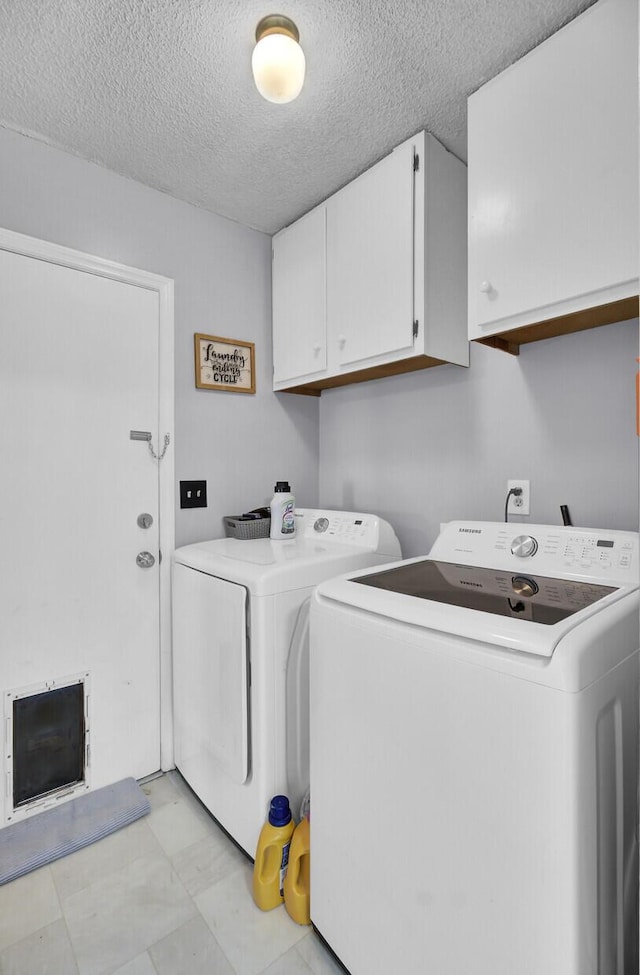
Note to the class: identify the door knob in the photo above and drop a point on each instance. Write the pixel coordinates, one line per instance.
(145, 560)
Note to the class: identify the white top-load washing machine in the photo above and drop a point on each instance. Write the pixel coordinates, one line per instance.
(241, 659)
(474, 757)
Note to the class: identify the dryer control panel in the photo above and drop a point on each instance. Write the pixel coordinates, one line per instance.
(342, 527)
(604, 556)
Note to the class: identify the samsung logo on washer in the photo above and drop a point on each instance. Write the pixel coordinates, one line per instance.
(471, 531)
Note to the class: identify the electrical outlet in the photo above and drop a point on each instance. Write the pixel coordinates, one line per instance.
(519, 504)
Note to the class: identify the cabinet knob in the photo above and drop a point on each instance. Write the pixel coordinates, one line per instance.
(341, 340)
(485, 287)
(316, 349)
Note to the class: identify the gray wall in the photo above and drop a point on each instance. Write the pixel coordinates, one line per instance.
(418, 449)
(241, 444)
(441, 444)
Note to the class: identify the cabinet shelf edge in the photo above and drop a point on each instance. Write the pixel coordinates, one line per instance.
(608, 314)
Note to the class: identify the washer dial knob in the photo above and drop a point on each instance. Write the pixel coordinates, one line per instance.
(523, 586)
(524, 546)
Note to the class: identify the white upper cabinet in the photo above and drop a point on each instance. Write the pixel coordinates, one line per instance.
(553, 184)
(300, 341)
(370, 261)
(373, 281)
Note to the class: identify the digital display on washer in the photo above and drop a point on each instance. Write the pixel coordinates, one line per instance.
(538, 599)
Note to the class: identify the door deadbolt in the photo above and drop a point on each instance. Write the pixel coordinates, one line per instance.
(145, 560)
(145, 520)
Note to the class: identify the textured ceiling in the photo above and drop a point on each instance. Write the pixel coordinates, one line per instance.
(161, 90)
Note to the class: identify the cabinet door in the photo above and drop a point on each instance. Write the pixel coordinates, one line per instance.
(299, 318)
(553, 163)
(370, 262)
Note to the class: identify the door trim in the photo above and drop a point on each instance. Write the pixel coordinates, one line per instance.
(43, 250)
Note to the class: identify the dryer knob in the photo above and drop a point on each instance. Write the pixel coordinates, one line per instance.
(524, 546)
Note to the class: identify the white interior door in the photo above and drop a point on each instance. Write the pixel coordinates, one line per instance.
(79, 366)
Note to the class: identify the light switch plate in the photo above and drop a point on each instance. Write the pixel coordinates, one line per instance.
(193, 494)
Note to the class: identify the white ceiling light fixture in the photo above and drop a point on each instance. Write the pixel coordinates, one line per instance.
(278, 61)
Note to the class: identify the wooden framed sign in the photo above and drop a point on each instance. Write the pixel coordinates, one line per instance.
(225, 364)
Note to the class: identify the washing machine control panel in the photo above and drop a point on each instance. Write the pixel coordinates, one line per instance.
(567, 549)
(544, 549)
(595, 553)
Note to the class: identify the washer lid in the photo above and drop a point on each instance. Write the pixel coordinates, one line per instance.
(519, 596)
(522, 631)
(521, 589)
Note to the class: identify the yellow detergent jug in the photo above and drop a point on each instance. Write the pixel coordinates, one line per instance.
(296, 882)
(272, 855)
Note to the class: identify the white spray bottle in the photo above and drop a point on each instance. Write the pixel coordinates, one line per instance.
(283, 522)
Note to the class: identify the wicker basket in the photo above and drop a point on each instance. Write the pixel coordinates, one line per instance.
(235, 527)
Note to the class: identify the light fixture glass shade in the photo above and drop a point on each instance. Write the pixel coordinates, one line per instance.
(278, 65)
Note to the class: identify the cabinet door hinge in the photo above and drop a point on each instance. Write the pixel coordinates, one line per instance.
(416, 162)
(416, 325)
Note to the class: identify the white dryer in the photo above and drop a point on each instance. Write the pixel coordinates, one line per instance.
(482, 819)
(241, 659)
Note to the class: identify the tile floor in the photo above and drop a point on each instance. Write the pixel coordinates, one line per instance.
(168, 895)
